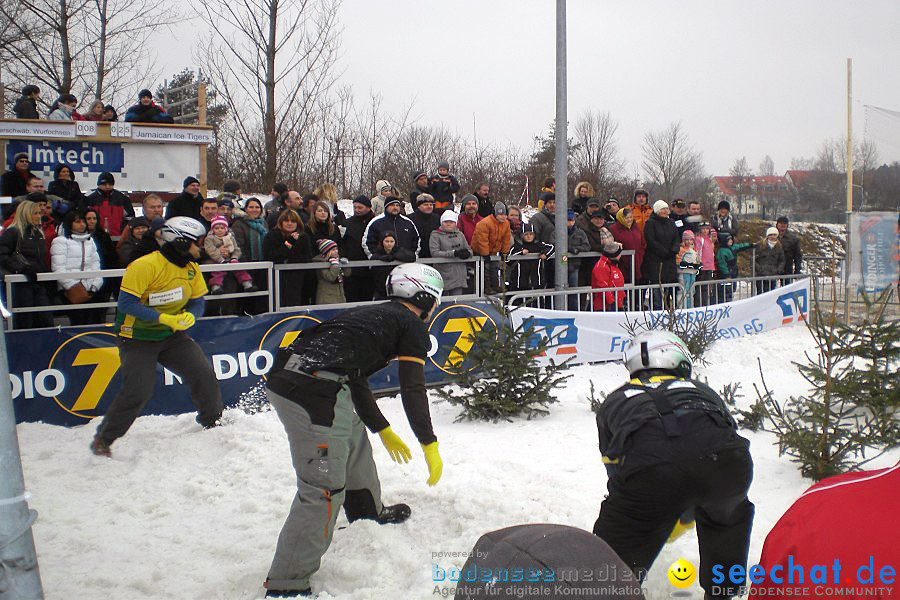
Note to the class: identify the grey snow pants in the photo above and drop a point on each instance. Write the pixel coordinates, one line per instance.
(328, 460)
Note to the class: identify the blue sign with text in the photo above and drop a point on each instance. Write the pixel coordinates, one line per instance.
(81, 157)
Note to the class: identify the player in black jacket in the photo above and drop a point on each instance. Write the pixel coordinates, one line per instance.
(315, 385)
(670, 447)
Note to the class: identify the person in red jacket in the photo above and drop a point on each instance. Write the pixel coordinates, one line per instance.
(469, 217)
(606, 274)
(851, 519)
(113, 206)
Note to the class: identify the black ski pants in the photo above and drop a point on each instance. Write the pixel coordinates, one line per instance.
(642, 507)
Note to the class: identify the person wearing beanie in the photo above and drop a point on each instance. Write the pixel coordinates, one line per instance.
(578, 242)
(549, 187)
(359, 285)
(769, 260)
(584, 192)
(607, 274)
(723, 220)
(110, 114)
(330, 287)
(688, 261)
(149, 242)
(593, 222)
(422, 185)
(727, 265)
(383, 189)
(403, 229)
(449, 242)
(790, 241)
(146, 111)
(188, 202)
(485, 204)
(528, 273)
(426, 220)
(492, 240)
(221, 247)
(469, 217)
(26, 105)
(640, 208)
(12, 182)
(444, 187)
(663, 241)
(113, 207)
(138, 228)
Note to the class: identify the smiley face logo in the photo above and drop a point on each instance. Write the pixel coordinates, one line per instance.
(682, 573)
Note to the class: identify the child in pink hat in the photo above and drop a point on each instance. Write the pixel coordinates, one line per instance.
(221, 247)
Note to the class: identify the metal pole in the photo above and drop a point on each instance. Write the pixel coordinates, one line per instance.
(562, 152)
(849, 177)
(19, 576)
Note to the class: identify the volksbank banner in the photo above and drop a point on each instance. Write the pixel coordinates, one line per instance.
(601, 336)
(875, 251)
(69, 375)
(144, 166)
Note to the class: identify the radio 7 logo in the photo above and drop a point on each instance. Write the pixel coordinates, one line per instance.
(797, 301)
(561, 334)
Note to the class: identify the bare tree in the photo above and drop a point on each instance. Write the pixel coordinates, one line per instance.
(742, 174)
(272, 62)
(767, 166)
(669, 158)
(596, 154)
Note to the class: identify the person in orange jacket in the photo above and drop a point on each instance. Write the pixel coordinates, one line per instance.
(640, 207)
(606, 274)
(491, 238)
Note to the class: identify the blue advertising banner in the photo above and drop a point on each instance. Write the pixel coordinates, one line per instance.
(874, 250)
(69, 375)
(81, 157)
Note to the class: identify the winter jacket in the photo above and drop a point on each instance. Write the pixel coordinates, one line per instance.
(249, 238)
(726, 260)
(319, 231)
(706, 250)
(31, 245)
(663, 242)
(491, 237)
(607, 275)
(443, 244)
(485, 206)
(280, 249)
(12, 183)
(443, 189)
(597, 236)
(529, 274)
(769, 261)
(793, 255)
(76, 253)
(467, 223)
(109, 259)
(63, 113)
(152, 113)
(728, 224)
(578, 242)
(354, 234)
(146, 245)
(214, 244)
(579, 203)
(115, 209)
(404, 231)
(184, 205)
(425, 225)
(68, 191)
(125, 249)
(685, 260)
(26, 108)
(631, 239)
(641, 214)
(544, 226)
(330, 287)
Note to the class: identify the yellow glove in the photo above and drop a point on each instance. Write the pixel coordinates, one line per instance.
(435, 464)
(179, 322)
(396, 448)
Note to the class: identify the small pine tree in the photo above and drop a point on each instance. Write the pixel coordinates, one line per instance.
(505, 379)
(855, 401)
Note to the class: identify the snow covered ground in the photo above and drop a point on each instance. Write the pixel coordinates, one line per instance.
(183, 513)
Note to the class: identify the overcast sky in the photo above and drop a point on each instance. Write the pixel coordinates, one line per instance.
(745, 78)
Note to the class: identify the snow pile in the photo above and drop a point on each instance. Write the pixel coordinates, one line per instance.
(183, 513)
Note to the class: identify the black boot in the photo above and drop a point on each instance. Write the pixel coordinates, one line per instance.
(395, 513)
(307, 593)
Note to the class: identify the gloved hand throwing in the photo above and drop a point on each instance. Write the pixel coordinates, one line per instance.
(399, 451)
(179, 322)
(435, 464)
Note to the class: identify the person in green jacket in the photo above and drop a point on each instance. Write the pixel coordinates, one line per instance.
(726, 263)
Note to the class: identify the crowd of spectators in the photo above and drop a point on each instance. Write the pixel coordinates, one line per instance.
(100, 230)
(65, 108)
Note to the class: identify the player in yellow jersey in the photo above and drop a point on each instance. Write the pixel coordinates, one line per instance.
(161, 296)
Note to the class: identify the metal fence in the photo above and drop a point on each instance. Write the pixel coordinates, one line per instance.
(824, 288)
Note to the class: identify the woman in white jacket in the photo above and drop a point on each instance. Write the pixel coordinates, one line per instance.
(74, 250)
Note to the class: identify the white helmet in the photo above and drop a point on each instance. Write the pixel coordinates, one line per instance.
(182, 228)
(657, 350)
(420, 284)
